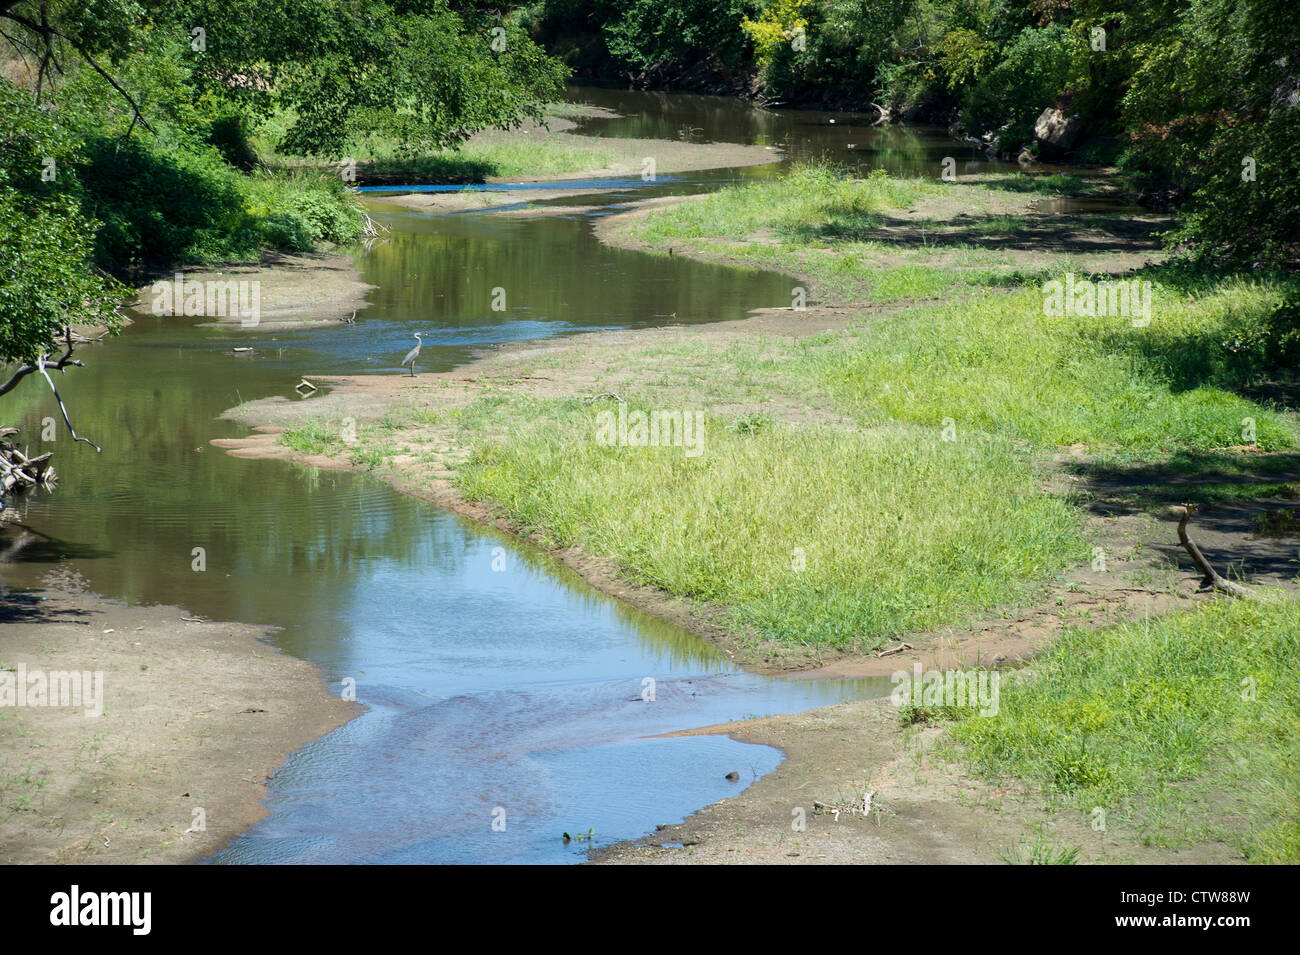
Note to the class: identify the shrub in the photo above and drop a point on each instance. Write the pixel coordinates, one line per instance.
(1030, 77)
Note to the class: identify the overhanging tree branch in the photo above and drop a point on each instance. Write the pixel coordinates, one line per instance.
(40, 362)
(26, 369)
(47, 32)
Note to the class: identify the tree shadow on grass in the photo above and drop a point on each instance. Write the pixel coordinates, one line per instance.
(1248, 519)
(1063, 233)
(1046, 184)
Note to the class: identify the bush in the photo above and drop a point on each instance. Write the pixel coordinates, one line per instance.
(229, 136)
(1030, 77)
(288, 230)
(296, 210)
(160, 206)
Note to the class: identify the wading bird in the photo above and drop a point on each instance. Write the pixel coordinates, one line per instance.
(413, 354)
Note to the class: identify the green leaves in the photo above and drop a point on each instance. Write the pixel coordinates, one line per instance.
(45, 242)
(419, 72)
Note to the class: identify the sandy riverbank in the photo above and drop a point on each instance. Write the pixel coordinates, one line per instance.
(922, 809)
(636, 158)
(196, 715)
(307, 290)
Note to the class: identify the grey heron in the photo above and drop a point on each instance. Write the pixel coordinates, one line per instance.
(413, 354)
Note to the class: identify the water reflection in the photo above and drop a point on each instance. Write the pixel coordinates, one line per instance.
(849, 139)
(519, 689)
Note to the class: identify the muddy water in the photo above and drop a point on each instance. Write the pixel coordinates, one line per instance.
(848, 139)
(498, 686)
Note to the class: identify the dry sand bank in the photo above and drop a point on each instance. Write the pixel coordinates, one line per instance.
(195, 715)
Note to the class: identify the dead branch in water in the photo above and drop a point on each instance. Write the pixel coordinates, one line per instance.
(18, 472)
(370, 228)
(1211, 579)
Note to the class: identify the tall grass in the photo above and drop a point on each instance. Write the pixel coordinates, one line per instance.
(812, 202)
(819, 538)
(1154, 722)
(997, 364)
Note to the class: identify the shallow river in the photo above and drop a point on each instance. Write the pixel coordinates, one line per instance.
(515, 690)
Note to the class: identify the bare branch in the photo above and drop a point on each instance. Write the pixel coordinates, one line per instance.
(47, 31)
(1212, 578)
(40, 362)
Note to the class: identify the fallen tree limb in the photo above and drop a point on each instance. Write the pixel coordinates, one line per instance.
(18, 472)
(40, 366)
(1211, 579)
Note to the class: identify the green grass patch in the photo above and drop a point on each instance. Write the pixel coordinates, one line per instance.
(315, 437)
(813, 203)
(820, 223)
(819, 538)
(997, 364)
(487, 156)
(1157, 722)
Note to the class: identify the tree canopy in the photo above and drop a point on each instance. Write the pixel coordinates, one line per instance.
(109, 101)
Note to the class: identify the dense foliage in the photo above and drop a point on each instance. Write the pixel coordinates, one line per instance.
(125, 144)
(1181, 93)
(44, 239)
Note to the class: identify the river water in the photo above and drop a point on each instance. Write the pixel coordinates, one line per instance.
(508, 695)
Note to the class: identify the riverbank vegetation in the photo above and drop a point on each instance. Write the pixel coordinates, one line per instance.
(876, 480)
(1196, 100)
(131, 125)
(1148, 725)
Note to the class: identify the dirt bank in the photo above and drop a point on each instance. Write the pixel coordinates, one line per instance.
(475, 200)
(922, 810)
(196, 715)
(293, 291)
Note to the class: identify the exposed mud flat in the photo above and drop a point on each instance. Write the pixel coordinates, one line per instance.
(196, 715)
(921, 810)
(293, 291)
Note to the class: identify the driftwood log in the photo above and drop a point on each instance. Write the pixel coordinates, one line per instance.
(18, 472)
(1211, 579)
